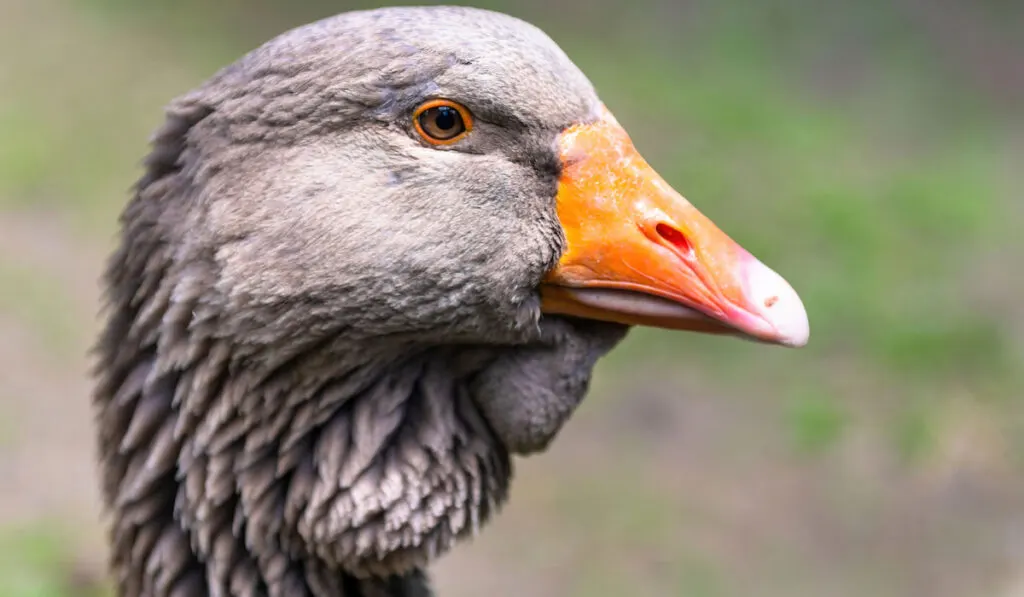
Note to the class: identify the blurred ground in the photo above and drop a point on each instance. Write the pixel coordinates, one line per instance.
(871, 152)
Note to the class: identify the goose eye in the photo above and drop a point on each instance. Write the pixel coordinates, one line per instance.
(441, 122)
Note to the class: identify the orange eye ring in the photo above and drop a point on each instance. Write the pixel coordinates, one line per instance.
(442, 122)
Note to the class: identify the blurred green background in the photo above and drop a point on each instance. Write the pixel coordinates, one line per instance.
(872, 152)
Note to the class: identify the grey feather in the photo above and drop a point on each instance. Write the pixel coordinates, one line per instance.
(323, 338)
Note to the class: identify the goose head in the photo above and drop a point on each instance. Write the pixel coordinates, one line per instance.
(367, 263)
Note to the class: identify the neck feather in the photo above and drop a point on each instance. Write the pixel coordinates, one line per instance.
(322, 472)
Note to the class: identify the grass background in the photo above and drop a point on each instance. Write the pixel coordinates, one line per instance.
(870, 151)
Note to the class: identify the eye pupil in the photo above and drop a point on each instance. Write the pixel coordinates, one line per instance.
(446, 118)
(443, 122)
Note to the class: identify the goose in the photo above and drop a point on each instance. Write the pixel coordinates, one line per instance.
(365, 266)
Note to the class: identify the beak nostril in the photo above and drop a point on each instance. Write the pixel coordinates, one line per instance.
(674, 237)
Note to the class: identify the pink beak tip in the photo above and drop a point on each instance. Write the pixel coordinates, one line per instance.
(773, 299)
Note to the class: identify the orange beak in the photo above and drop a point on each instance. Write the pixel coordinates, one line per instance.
(640, 254)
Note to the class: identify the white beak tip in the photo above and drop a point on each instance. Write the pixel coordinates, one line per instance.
(775, 300)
